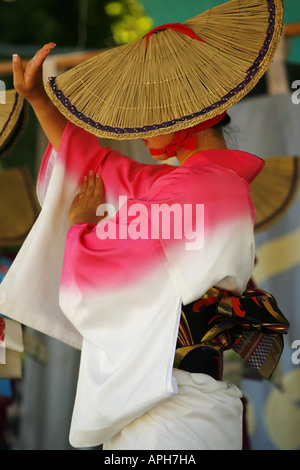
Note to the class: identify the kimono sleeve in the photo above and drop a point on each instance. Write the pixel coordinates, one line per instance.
(30, 291)
(81, 151)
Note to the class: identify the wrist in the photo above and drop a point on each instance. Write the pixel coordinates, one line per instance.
(40, 101)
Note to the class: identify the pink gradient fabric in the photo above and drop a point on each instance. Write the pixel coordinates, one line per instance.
(118, 298)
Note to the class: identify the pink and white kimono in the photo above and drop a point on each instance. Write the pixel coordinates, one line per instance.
(115, 290)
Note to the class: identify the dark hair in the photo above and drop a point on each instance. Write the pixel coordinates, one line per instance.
(224, 122)
(228, 132)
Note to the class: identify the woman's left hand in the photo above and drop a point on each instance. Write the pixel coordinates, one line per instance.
(84, 206)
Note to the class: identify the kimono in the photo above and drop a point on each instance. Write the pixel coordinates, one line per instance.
(115, 289)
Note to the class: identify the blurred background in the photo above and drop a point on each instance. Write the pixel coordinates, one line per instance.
(36, 407)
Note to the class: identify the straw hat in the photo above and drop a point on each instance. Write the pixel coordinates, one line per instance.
(19, 206)
(274, 189)
(176, 76)
(13, 120)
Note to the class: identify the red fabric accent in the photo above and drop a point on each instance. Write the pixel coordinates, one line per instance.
(2, 329)
(185, 138)
(204, 302)
(236, 306)
(181, 28)
(209, 123)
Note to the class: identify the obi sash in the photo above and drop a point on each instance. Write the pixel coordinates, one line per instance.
(251, 324)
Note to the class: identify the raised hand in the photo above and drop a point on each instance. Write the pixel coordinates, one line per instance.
(28, 82)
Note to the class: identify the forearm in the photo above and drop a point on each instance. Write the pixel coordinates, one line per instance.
(50, 119)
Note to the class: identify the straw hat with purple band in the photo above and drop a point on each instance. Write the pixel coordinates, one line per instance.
(177, 76)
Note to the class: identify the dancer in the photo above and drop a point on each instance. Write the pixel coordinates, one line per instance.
(121, 249)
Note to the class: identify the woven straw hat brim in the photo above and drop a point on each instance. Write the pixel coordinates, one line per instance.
(13, 121)
(274, 190)
(130, 92)
(19, 206)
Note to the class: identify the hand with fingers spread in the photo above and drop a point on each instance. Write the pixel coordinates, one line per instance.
(28, 82)
(84, 206)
